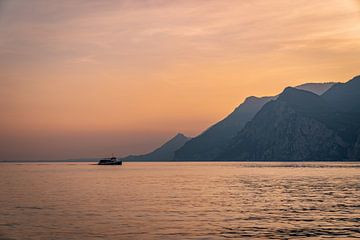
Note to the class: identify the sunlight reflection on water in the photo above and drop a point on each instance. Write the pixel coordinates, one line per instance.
(179, 200)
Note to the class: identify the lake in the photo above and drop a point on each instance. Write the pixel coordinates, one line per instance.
(198, 200)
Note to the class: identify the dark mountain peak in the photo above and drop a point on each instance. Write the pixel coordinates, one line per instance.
(356, 78)
(283, 131)
(252, 103)
(179, 136)
(290, 90)
(255, 100)
(209, 143)
(345, 96)
(303, 101)
(355, 81)
(291, 93)
(164, 152)
(251, 99)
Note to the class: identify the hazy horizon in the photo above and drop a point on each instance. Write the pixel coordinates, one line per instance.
(90, 78)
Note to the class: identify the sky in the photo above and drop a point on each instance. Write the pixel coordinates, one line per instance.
(89, 78)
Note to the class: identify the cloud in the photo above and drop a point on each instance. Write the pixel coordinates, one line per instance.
(64, 62)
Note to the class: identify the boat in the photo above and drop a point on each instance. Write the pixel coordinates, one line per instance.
(110, 161)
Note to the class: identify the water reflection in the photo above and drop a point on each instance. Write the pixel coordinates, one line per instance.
(180, 201)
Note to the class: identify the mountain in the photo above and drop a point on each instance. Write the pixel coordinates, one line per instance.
(211, 142)
(300, 125)
(317, 88)
(345, 96)
(164, 152)
(284, 129)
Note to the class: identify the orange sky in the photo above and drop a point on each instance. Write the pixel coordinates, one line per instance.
(87, 78)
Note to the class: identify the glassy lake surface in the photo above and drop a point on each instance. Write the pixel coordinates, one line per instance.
(179, 201)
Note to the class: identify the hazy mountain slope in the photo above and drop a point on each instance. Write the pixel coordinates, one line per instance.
(317, 88)
(345, 96)
(289, 128)
(207, 145)
(164, 152)
(211, 142)
(300, 125)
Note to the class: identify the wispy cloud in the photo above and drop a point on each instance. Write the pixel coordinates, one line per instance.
(159, 61)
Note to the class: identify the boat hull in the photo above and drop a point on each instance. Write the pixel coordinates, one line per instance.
(109, 163)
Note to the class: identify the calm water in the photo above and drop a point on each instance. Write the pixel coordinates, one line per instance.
(180, 201)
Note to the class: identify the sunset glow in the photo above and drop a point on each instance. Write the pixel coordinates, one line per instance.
(89, 78)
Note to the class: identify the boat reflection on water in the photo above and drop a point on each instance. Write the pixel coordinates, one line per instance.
(110, 161)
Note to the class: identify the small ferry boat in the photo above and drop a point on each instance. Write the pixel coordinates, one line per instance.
(110, 161)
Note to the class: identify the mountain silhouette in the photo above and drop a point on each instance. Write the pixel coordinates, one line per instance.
(212, 141)
(345, 96)
(164, 152)
(284, 130)
(300, 125)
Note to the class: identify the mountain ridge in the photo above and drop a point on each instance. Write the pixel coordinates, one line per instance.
(164, 152)
(209, 143)
(213, 140)
(301, 126)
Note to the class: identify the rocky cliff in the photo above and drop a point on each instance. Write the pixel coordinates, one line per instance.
(215, 139)
(300, 125)
(283, 131)
(211, 142)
